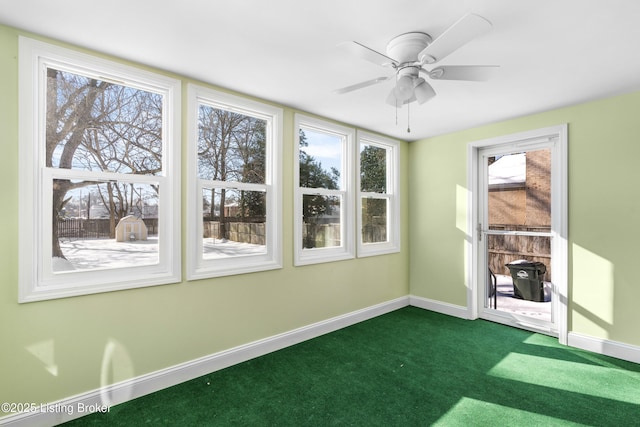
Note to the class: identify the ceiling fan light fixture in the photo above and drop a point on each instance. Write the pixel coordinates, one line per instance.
(404, 88)
(423, 91)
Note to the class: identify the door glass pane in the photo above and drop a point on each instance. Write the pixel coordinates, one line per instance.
(520, 275)
(520, 191)
(519, 266)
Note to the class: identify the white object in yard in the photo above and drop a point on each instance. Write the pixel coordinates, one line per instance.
(131, 228)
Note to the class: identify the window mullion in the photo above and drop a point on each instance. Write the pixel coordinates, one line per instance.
(370, 195)
(233, 185)
(102, 176)
(322, 192)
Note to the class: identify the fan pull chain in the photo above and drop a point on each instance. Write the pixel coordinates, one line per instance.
(396, 112)
(408, 119)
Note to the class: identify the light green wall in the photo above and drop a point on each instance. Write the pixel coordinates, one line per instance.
(51, 350)
(604, 210)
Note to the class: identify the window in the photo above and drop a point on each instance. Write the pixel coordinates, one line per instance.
(234, 196)
(378, 201)
(99, 180)
(323, 201)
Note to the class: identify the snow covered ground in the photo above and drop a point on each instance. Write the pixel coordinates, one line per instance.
(507, 302)
(222, 248)
(91, 254)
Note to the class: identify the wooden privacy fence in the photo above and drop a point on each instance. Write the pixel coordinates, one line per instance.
(503, 249)
(243, 232)
(99, 228)
(320, 235)
(247, 232)
(372, 233)
(83, 228)
(313, 235)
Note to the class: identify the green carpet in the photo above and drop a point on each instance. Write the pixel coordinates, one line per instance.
(411, 367)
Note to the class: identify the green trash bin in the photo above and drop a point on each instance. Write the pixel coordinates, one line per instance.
(527, 279)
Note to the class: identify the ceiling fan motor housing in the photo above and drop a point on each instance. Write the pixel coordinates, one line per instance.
(406, 47)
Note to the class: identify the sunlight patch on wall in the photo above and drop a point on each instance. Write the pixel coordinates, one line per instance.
(117, 366)
(583, 378)
(44, 351)
(593, 279)
(472, 412)
(462, 201)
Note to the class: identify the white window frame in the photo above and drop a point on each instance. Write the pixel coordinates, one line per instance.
(346, 250)
(392, 196)
(36, 278)
(197, 266)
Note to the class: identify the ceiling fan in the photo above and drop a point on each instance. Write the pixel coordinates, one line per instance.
(409, 53)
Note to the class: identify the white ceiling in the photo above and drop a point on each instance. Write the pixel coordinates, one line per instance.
(552, 53)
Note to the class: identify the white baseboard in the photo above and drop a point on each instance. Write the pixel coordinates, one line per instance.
(608, 348)
(100, 399)
(439, 307)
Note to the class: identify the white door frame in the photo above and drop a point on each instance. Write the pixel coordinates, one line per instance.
(559, 215)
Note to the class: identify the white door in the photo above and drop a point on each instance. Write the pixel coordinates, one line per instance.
(520, 237)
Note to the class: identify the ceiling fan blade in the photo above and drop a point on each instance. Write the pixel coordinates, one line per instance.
(460, 33)
(368, 54)
(362, 84)
(476, 73)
